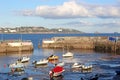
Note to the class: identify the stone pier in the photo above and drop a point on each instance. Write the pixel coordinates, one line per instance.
(89, 43)
(15, 46)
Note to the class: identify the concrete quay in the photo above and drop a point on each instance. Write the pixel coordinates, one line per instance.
(102, 44)
(15, 46)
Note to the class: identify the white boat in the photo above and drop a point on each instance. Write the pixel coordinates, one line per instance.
(76, 65)
(24, 59)
(68, 54)
(41, 62)
(60, 64)
(16, 65)
(86, 66)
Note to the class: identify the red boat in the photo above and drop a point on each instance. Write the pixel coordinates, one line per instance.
(56, 71)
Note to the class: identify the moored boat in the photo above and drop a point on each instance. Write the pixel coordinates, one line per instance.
(68, 54)
(53, 57)
(24, 59)
(87, 66)
(18, 66)
(40, 62)
(76, 65)
(56, 71)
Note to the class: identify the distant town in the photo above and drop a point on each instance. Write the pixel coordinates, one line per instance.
(33, 29)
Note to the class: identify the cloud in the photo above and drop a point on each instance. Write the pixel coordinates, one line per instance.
(89, 26)
(25, 12)
(99, 24)
(78, 23)
(72, 9)
(67, 10)
(106, 11)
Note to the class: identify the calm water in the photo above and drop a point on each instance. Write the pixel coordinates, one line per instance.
(104, 64)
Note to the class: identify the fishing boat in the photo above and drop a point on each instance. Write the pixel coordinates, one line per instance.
(53, 57)
(24, 59)
(18, 66)
(76, 65)
(56, 71)
(68, 54)
(41, 62)
(86, 66)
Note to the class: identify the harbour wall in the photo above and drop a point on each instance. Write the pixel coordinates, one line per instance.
(102, 44)
(8, 46)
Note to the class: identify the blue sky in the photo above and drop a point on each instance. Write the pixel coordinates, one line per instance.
(84, 15)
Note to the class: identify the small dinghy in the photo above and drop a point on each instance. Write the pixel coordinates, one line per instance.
(56, 71)
(18, 66)
(76, 65)
(86, 66)
(41, 62)
(24, 59)
(53, 57)
(68, 54)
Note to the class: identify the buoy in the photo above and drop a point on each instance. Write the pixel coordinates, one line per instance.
(4, 65)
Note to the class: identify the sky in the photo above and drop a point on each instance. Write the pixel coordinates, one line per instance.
(84, 15)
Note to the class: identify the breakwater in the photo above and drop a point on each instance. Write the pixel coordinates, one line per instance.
(102, 44)
(15, 46)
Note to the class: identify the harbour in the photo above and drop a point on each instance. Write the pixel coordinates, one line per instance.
(104, 63)
(60, 40)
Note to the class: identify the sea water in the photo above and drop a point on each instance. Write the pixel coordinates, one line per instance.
(104, 64)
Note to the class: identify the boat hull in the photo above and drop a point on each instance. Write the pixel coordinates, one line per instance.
(53, 58)
(41, 62)
(25, 60)
(68, 54)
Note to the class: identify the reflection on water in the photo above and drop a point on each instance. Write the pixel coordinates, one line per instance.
(100, 66)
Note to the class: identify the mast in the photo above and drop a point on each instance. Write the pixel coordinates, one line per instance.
(2, 36)
(21, 36)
